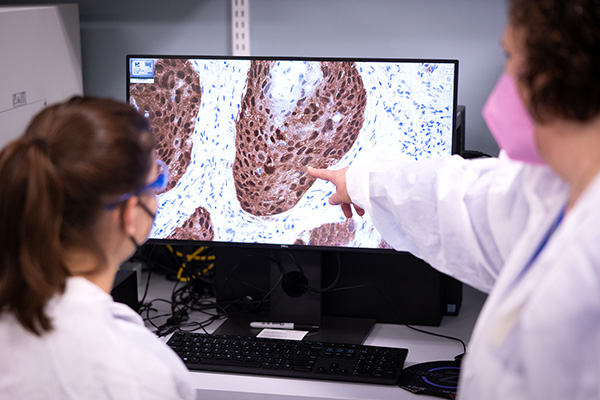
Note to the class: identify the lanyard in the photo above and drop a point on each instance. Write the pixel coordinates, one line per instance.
(542, 244)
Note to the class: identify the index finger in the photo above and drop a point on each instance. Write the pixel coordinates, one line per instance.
(320, 173)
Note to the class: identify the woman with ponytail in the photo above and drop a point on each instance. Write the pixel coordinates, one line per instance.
(77, 196)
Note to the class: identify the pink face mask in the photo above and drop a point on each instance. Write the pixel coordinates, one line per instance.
(510, 122)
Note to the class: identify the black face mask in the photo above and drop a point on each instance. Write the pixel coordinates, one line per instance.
(151, 214)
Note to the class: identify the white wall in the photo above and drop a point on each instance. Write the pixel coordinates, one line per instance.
(40, 63)
(468, 30)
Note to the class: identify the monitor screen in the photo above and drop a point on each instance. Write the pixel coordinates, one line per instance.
(239, 133)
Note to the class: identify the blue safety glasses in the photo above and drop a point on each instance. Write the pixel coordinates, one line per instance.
(159, 184)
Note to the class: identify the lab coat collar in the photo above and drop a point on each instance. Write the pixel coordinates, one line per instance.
(76, 286)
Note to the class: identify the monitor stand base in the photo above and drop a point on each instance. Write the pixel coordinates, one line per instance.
(333, 329)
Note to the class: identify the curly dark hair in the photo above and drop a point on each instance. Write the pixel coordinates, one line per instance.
(562, 46)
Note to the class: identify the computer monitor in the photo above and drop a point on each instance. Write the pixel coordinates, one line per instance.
(239, 132)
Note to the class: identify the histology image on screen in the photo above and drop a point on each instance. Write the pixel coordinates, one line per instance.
(238, 135)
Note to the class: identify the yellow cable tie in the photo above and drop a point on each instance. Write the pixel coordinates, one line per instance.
(180, 278)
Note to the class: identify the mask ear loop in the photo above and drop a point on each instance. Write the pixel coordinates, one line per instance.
(151, 214)
(135, 243)
(147, 211)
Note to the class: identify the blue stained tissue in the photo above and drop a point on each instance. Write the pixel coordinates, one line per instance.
(408, 111)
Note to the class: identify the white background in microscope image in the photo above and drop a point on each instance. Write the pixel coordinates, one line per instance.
(208, 182)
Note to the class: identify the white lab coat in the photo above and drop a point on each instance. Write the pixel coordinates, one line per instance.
(538, 334)
(98, 350)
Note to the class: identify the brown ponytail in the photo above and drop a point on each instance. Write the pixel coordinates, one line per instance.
(54, 184)
(31, 203)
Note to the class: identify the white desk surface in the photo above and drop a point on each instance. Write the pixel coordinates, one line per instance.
(421, 348)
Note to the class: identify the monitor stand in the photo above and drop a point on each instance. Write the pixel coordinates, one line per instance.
(333, 329)
(296, 283)
(295, 279)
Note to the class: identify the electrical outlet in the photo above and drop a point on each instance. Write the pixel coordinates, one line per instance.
(19, 99)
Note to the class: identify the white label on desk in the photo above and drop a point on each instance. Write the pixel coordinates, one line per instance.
(285, 334)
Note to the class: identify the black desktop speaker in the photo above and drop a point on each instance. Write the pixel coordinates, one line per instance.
(460, 128)
(452, 291)
(125, 288)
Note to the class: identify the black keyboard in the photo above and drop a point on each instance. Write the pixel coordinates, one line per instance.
(289, 358)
